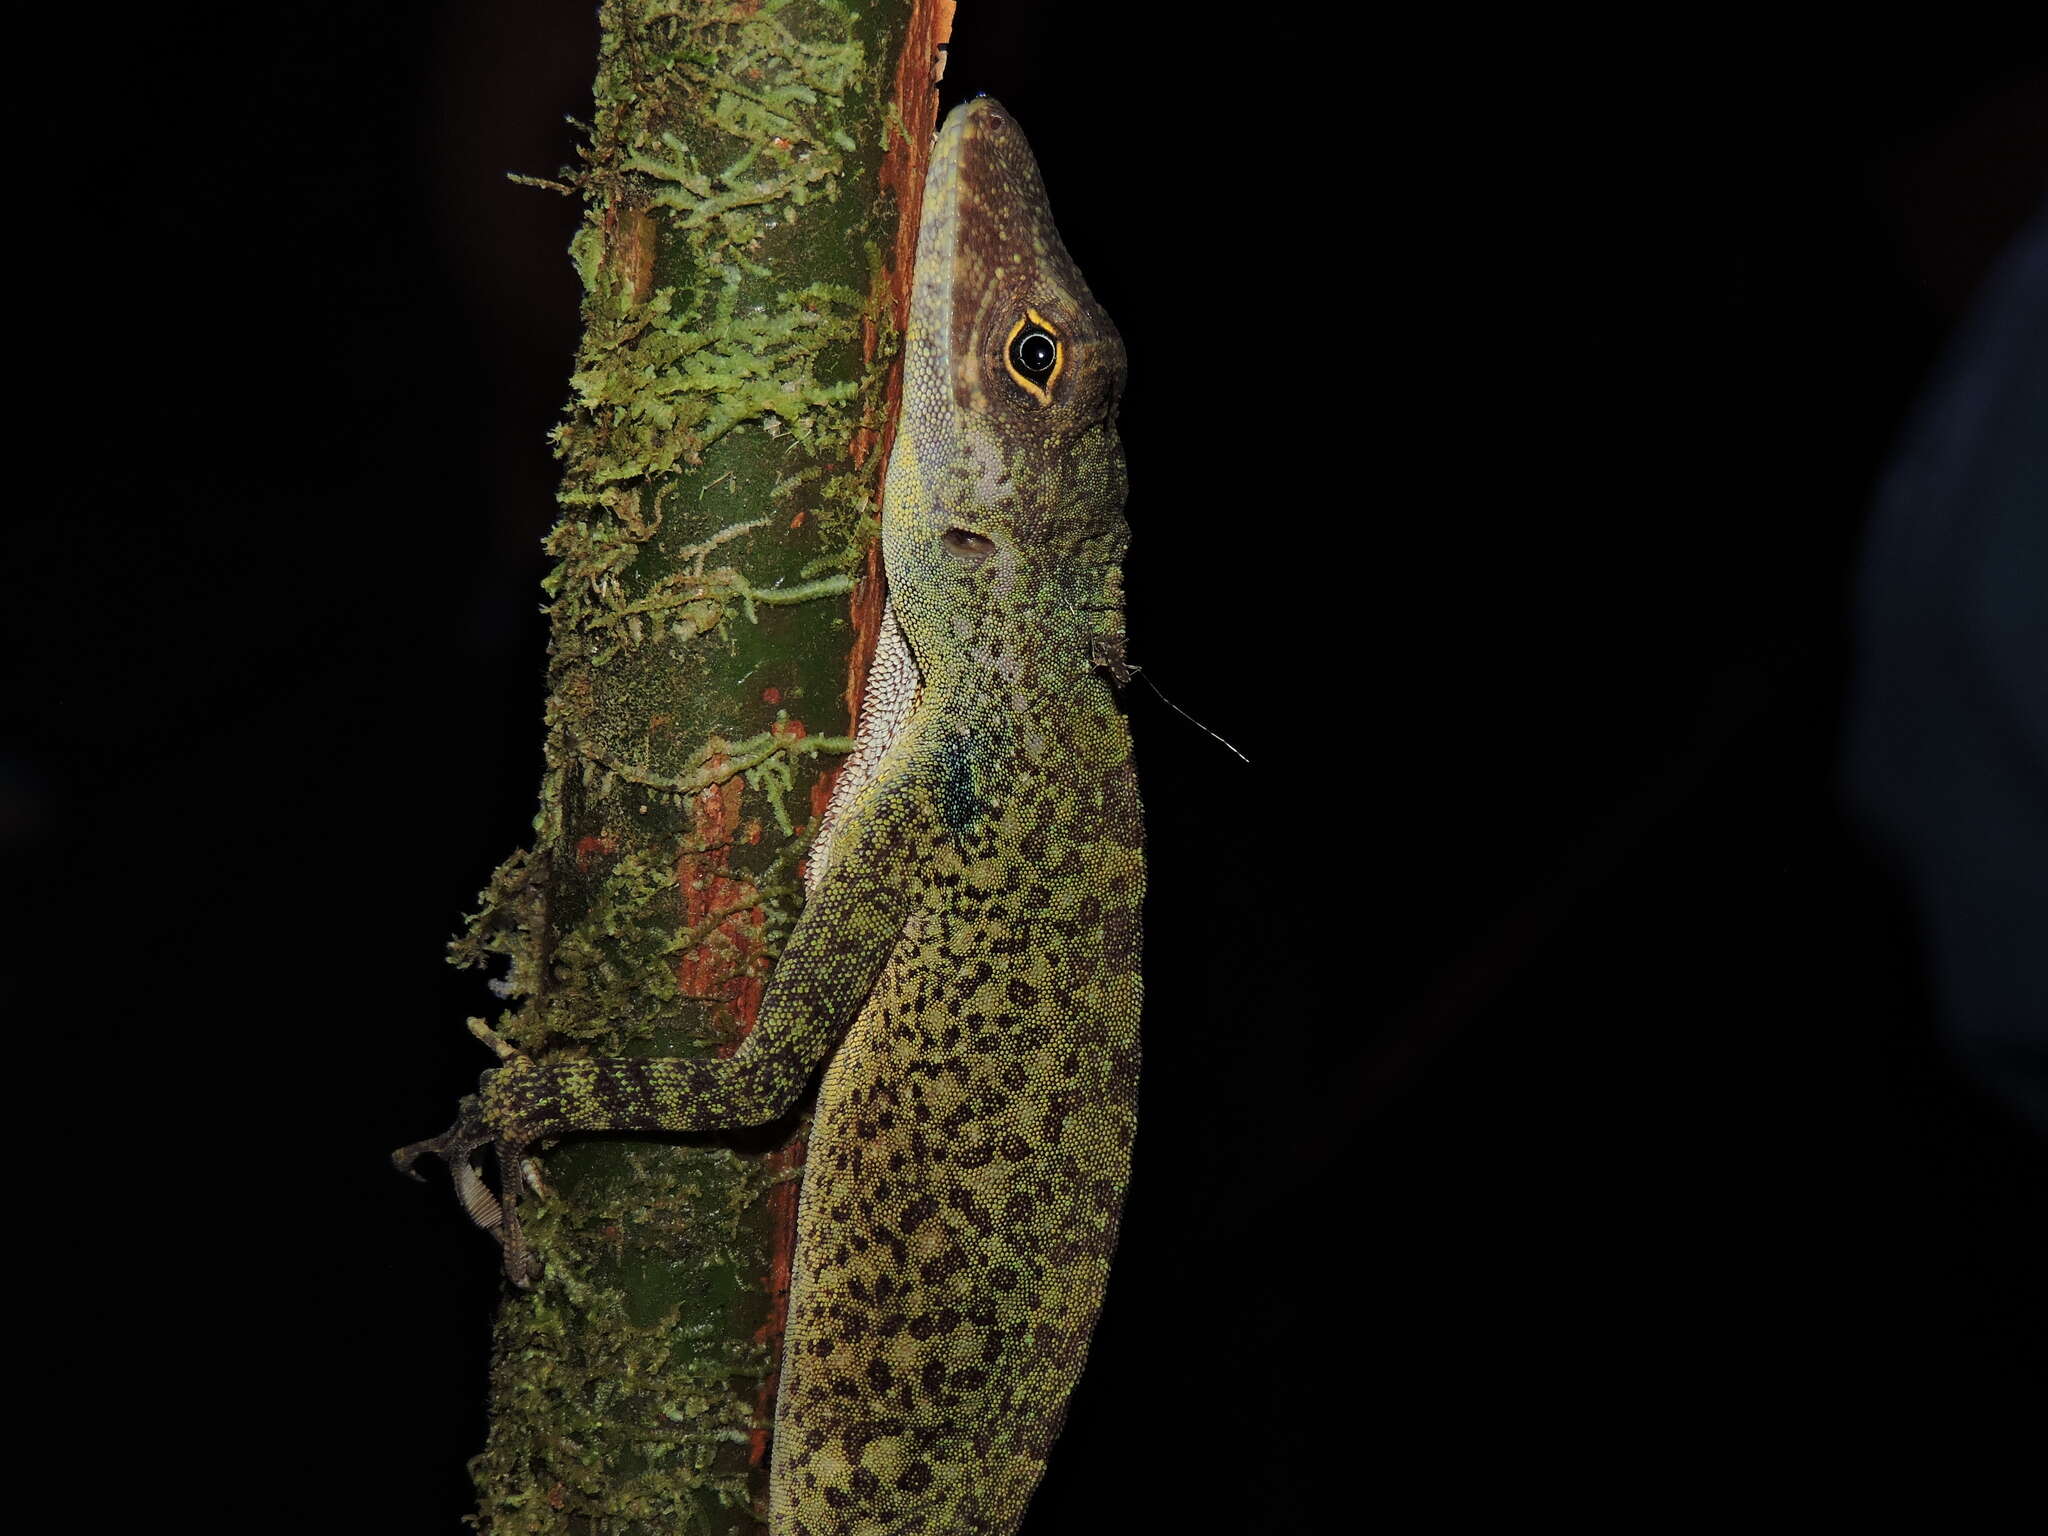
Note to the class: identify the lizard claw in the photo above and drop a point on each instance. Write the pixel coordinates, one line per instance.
(497, 1214)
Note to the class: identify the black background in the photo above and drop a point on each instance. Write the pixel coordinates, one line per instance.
(1541, 1105)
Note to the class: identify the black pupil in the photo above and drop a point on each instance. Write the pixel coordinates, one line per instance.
(1035, 352)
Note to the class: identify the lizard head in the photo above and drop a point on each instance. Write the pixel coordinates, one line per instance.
(1005, 502)
(1023, 341)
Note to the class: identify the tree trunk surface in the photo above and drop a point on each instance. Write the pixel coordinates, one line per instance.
(752, 181)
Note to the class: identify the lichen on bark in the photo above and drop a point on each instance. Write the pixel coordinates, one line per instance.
(742, 264)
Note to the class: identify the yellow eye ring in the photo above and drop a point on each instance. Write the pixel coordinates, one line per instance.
(1035, 356)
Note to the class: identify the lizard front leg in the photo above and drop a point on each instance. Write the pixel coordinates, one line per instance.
(845, 935)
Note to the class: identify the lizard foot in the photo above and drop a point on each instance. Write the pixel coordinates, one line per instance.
(496, 1212)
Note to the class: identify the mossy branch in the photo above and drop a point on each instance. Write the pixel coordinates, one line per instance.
(744, 262)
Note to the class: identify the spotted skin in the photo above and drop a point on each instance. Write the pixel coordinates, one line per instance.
(970, 945)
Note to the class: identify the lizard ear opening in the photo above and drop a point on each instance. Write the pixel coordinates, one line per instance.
(971, 547)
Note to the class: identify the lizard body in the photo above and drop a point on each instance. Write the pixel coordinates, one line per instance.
(970, 941)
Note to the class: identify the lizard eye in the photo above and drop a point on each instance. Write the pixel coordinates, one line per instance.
(1035, 352)
(1034, 355)
(971, 547)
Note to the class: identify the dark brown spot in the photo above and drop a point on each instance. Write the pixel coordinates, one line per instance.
(915, 1478)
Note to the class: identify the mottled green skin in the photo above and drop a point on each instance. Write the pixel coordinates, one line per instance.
(971, 944)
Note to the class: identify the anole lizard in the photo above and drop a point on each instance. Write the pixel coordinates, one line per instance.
(970, 941)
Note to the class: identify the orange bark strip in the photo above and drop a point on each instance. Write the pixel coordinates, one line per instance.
(726, 958)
